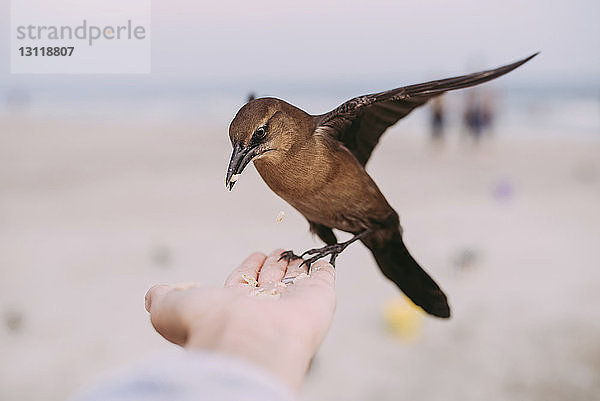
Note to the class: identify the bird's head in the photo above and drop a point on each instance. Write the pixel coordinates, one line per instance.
(266, 129)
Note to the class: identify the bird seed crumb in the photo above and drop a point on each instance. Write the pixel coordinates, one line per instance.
(251, 281)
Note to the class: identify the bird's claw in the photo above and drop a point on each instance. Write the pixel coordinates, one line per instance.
(311, 252)
(288, 256)
(333, 250)
(326, 250)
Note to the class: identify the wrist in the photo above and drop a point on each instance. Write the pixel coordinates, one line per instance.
(276, 349)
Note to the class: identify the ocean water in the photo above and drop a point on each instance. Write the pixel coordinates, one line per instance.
(537, 111)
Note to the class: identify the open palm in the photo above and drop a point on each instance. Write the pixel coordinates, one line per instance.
(255, 315)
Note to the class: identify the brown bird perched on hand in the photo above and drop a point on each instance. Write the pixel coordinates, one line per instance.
(317, 164)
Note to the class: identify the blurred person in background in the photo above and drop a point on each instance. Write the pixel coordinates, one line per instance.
(437, 119)
(473, 116)
(488, 109)
(254, 339)
(479, 113)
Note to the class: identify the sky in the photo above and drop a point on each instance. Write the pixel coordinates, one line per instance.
(344, 41)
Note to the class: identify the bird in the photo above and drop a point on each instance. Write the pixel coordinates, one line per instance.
(316, 163)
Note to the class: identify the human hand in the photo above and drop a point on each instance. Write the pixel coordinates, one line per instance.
(255, 316)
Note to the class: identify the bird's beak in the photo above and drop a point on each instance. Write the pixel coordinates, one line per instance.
(240, 157)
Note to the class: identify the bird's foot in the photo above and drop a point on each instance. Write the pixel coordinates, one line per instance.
(288, 256)
(333, 250)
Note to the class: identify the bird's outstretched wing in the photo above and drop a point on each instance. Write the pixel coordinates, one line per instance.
(360, 122)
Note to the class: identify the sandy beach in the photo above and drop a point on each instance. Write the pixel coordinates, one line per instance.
(92, 215)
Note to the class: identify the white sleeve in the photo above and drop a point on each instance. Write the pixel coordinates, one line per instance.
(188, 376)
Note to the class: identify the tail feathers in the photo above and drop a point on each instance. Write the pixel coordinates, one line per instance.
(398, 265)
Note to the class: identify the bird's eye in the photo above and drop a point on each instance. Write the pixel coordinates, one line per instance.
(260, 133)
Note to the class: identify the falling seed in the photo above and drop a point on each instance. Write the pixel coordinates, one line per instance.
(280, 216)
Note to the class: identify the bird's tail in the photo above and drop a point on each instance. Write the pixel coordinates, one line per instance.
(398, 265)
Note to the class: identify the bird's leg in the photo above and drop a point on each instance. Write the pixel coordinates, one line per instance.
(333, 250)
(322, 231)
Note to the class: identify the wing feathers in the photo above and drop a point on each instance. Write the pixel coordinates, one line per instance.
(360, 122)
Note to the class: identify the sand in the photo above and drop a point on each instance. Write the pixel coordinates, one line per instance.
(92, 215)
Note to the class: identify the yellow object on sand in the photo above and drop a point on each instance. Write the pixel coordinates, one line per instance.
(403, 318)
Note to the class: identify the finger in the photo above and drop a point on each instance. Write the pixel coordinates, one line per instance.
(294, 269)
(321, 274)
(154, 292)
(273, 269)
(163, 303)
(249, 268)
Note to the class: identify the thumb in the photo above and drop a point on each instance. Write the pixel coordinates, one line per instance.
(155, 292)
(163, 304)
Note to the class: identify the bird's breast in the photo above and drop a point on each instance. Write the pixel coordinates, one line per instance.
(335, 193)
(292, 182)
